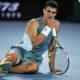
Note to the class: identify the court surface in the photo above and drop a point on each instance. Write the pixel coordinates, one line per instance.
(11, 33)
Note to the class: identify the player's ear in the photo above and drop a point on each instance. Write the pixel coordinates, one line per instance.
(43, 10)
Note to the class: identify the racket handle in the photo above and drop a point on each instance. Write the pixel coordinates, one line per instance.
(54, 32)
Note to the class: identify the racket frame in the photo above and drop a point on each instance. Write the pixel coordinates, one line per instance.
(57, 42)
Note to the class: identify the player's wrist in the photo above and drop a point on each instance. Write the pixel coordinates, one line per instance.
(54, 32)
(46, 31)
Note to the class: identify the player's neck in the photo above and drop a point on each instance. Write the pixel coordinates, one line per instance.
(44, 21)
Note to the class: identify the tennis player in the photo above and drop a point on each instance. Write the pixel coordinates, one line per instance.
(38, 32)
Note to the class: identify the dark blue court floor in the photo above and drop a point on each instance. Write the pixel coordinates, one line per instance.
(12, 32)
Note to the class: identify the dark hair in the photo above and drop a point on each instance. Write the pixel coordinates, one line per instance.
(51, 3)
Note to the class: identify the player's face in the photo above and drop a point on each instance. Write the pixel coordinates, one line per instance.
(49, 13)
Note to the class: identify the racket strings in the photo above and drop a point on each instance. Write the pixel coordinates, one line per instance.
(61, 61)
(61, 58)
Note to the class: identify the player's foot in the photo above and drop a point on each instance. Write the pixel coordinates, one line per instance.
(5, 66)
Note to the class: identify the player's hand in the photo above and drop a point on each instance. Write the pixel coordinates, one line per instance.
(51, 23)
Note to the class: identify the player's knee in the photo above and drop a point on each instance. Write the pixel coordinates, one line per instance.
(32, 67)
(35, 67)
(14, 57)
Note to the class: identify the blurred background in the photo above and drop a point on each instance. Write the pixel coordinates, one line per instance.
(27, 9)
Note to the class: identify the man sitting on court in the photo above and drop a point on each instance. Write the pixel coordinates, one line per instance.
(21, 59)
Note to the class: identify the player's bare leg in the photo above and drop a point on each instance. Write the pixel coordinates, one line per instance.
(11, 56)
(27, 67)
(10, 60)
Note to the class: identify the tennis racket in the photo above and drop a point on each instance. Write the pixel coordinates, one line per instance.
(61, 58)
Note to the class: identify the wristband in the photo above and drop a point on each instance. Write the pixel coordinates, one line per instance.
(54, 32)
(46, 31)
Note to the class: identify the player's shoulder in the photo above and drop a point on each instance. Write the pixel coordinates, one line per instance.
(57, 21)
(32, 21)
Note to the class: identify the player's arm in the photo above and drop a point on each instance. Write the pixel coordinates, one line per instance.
(51, 49)
(32, 28)
(57, 27)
